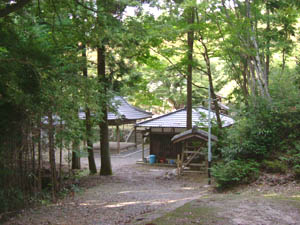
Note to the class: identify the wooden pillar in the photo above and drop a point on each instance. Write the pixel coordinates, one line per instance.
(135, 136)
(118, 139)
(143, 148)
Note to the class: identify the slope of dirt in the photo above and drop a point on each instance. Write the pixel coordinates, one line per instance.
(235, 209)
(262, 202)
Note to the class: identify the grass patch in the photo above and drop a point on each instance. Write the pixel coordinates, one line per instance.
(191, 213)
(293, 200)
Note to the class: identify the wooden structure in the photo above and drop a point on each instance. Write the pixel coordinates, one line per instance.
(121, 113)
(163, 128)
(194, 151)
(124, 113)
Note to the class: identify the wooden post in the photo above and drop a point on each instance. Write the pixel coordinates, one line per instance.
(143, 148)
(135, 136)
(118, 139)
(178, 164)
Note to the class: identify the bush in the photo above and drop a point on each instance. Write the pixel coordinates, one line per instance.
(11, 199)
(234, 172)
(296, 171)
(274, 166)
(255, 133)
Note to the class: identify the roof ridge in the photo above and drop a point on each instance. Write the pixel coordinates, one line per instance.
(160, 120)
(161, 116)
(212, 111)
(134, 107)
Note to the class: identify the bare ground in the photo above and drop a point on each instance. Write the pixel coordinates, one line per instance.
(133, 193)
(136, 194)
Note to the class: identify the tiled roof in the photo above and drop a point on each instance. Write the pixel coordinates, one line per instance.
(194, 132)
(178, 119)
(123, 110)
(126, 111)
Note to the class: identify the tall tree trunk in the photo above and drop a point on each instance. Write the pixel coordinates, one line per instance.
(261, 76)
(39, 154)
(268, 52)
(88, 122)
(190, 40)
(244, 86)
(75, 155)
(60, 154)
(33, 160)
(283, 60)
(210, 80)
(103, 125)
(52, 156)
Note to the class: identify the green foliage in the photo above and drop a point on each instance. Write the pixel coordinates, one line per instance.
(296, 171)
(254, 134)
(264, 130)
(12, 198)
(292, 158)
(234, 172)
(274, 166)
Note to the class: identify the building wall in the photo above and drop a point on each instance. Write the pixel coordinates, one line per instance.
(161, 146)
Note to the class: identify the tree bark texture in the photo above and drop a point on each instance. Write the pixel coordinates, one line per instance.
(260, 70)
(52, 156)
(75, 155)
(190, 40)
(103, 125)
(210, 80)
(39, 154)
(88, 122)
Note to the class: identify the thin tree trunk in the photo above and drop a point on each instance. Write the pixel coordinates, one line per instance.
(88, 122)
(261, 76)
(52, 156)
(190, 40)
(75, 155)
(210, 80)
(33, 160)
(69, 161)
(268, 53)
(245, 73)
(26, 158)
(283, 60)
(60, 155)
(253, 80)
(39, 155)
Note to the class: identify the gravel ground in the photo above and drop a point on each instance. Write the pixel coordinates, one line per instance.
(134, 194)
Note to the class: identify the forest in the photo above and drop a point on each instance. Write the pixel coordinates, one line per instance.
(61, 57)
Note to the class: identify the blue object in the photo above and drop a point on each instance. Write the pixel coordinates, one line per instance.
(172, 161)
(152, 159)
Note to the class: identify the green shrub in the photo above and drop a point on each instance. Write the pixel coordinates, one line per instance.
(255, 133)
(11, 199)
(296, 171)
(234, 172)
(274, 166)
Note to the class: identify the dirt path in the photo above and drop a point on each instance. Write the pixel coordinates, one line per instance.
(236, 209)
(131, 195)
(136, 194)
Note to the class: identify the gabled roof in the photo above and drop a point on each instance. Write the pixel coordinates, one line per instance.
(126, 111)
(177, 119)
(123, 111)
(192, 133)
